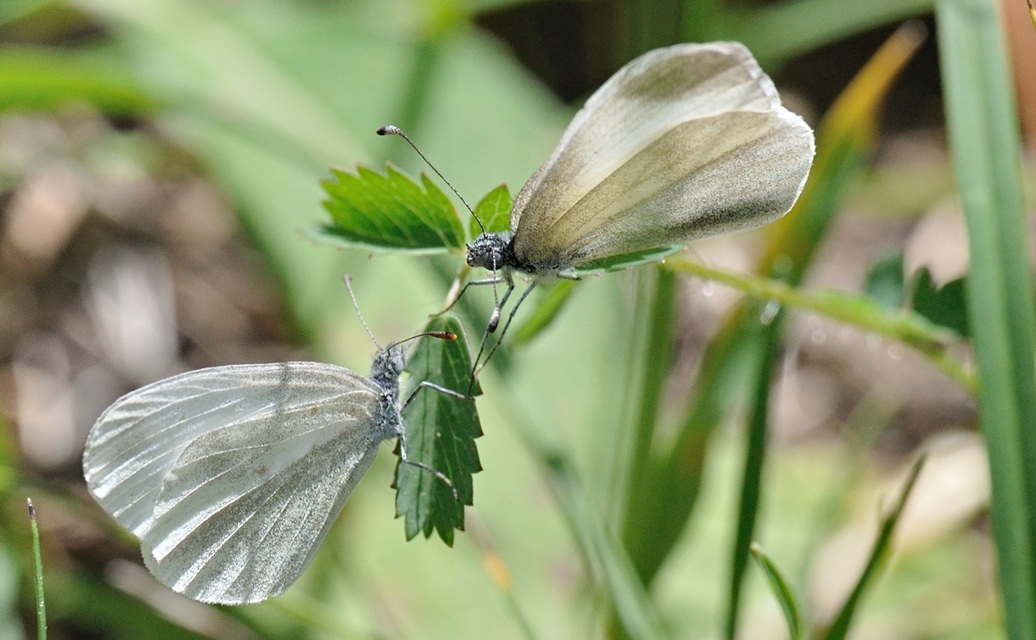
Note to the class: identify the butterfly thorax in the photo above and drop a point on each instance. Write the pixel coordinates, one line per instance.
(493, 251)
(386, 369)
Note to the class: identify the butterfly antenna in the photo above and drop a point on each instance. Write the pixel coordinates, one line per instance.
(442, 335)
(393, 130)
(352, 296)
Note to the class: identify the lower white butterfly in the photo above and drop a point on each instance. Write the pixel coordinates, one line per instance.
(232, 476)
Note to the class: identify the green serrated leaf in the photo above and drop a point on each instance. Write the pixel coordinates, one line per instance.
(441, 431)
(390, 211)
(494, 210)
(627, 260)
(945, 306)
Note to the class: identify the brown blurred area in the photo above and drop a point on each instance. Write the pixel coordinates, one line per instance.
(120, 264)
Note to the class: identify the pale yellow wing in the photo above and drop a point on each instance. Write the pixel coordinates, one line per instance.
(683, 142)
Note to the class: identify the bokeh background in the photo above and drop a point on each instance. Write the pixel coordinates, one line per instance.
(159, 160)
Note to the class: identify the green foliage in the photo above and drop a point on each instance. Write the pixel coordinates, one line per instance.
(494, 210)
(885, 283)
(37, 565)
(441, 432)
(35, 79)
(388, 212)
(543, 313)
(782, 591)
(878, 557)
(983, 132)
(945, 305)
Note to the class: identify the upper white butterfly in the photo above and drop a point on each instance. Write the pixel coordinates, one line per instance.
(681, 143)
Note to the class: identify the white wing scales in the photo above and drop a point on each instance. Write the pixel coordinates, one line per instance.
(681, 143)
(244, 510)
(219, 453)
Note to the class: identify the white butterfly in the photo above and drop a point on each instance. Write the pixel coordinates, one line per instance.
(681, 143)
(232, 476)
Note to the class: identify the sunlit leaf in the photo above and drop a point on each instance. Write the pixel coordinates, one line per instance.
(388, 211)
(494, 210)
(40, 79)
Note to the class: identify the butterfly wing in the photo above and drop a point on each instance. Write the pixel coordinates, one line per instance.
(245, 507)
(145, 458)
(681, 143)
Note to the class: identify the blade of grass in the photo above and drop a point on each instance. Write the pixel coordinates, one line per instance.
(879, 554)
(755, 456)
(983, 133)
(500, 576)
(755, 449)
(607, 562)
(781, 591)
(12, 10)
(37, 564)
(606, 559)
(652, 350)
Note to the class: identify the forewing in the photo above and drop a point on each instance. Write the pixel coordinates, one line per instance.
(656, 122)
(245, 507)
(747, 169)
(133, 446)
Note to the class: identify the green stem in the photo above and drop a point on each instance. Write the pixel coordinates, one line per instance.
(908, 328)
(654, 354)
(751, 479)
(37, 562)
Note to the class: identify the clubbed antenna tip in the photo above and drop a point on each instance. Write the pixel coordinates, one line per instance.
(393, 130)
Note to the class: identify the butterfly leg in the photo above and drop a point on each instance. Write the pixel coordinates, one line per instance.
(420, 465)
(494, 318)
(485, 337)
(453, 298)
(402, 438)
(441, 389)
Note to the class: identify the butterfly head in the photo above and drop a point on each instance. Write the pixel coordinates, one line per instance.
(388, 365)
(492, 251)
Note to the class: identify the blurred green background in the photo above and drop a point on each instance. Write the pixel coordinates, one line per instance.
(159, 160)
